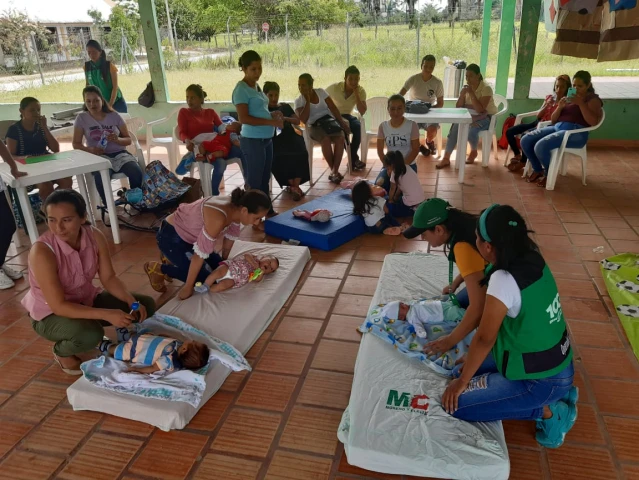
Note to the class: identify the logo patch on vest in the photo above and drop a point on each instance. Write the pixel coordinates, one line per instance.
(554, 310)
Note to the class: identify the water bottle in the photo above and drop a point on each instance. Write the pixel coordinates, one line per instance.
(103, 140)
(135, 311)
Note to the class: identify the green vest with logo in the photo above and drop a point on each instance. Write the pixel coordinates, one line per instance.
(535, 344)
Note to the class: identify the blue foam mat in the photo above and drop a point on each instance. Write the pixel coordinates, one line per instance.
(342, 227)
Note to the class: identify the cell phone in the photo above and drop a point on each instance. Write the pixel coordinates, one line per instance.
(572, 91)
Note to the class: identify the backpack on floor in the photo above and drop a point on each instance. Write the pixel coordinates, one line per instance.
(503, 141)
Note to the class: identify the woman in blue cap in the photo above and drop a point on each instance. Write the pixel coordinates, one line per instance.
(519, 364)
(441, 224)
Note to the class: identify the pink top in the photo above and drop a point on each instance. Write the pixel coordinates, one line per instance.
(572, 112)
(76, 271)
(188, 221)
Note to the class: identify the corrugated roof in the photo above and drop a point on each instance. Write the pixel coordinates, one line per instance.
(62, 11)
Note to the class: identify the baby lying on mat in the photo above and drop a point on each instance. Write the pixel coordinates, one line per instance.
(237, 272)
(421, 313)
(155, 353)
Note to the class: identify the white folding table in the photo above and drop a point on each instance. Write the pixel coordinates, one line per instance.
(460, 116)
(76, 163)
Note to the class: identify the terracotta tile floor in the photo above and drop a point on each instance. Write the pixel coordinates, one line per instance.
(280, 421)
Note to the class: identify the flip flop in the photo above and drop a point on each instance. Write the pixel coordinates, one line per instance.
(151, 269)
(68, 371)
(165, 261)
(441, 165)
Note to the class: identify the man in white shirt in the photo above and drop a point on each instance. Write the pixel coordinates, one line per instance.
(426, 87)
(347, 95)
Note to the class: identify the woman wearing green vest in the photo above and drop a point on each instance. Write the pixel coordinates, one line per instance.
(104, 75)
(519, 364)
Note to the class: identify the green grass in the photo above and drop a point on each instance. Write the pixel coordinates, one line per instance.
(385, 63)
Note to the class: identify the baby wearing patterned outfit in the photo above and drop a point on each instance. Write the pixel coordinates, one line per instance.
(237, 272)
(422, 312)
(153, 353)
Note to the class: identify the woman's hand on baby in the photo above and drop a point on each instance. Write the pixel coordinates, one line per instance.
(185, 292)
(118, 318)
(441, 345)
(447, 290)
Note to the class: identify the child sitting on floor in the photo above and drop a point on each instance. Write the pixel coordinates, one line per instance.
(237, 272)
(374, 210)
(220, 145)
(406, 193)
(421, 313)
(156, 353)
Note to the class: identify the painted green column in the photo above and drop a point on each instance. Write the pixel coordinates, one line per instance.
(530, 11)
(485, 35)
(149, 19)
(505, 46)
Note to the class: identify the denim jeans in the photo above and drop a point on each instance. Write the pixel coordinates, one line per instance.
(219, 166)
(131, 169)
(538, 144)
(8, 226)
(491, 396)
(356, 137)
(384, 223)
(385, 179)
(462, 298)
(120, 106)
(179, 253)
(259, 159)
(473, 134)
(520, 129)
(400, 209)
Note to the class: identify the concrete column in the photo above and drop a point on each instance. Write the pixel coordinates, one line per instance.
(530, 11)
(485, 35)
(148, 18)
(505, 46)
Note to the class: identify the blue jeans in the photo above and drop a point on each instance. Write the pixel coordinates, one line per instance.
(219, 166)
(384, 223)
(538, 144)
(356, 135)
(473, 134)
(179, 253)
(383, 180)
(400, 209)
(490, 396)
(120, 105)
(259, 159)
(131, 169)
(463, 299)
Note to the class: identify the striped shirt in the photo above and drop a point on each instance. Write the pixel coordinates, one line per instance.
(149, 350)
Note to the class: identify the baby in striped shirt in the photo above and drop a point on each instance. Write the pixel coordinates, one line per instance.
(151, 353)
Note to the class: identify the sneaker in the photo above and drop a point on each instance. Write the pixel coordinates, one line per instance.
(424, 151)
(5, 281)
(11, 273)
(359, 165)
(433, 149)
(552, 431)
(572, 396)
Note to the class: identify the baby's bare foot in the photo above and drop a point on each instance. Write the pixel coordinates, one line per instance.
(394, 231)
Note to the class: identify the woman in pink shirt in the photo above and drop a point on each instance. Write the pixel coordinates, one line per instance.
(197, 236)
(64, 305)
(195, 122)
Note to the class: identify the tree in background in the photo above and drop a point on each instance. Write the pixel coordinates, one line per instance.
(125, 22)
(15, 40)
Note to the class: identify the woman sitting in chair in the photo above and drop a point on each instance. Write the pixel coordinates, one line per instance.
(30, 137)
(477, 97)
(581, 108)
(290, 157)
(562, 84)
(197, 124)
(106, 135)
(317, 110)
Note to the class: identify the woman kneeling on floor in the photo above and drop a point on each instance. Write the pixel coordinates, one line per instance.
(198, 236)
(519, 364)
(64, 305)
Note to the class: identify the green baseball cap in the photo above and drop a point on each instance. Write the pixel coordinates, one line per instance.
(429, 214)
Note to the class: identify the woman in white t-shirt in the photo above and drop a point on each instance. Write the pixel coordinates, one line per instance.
(312, 105)
(406, 193)
(519, 363)
(397, 134)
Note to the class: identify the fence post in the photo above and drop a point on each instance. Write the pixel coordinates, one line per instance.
(35, 49)
(168, 23)
(288, 46)
(348, 40)
(228, 35)
(418, 64)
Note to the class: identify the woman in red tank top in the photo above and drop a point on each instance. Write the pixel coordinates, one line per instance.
(581, 108)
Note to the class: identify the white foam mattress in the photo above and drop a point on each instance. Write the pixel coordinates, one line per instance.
(394, 422)
(237, 316)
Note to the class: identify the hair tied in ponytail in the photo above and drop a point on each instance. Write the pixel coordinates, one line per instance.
(512, 223)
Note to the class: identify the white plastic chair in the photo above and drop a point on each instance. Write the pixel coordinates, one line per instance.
(16, 235)
(488, 137)
(170, 143)
(377, 112)
(134, 149)
(557, 159)
(518, 120)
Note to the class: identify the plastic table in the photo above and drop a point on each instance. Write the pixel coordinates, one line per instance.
(460, 116)
(76, 163)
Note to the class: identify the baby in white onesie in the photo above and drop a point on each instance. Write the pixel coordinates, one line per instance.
(422, 312)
